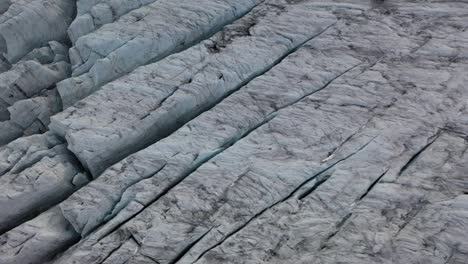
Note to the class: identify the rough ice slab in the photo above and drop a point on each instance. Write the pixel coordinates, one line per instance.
(153, 101)
(344, 140)
(38, 240)
(142, 36)
(91, 15)
(385, 221)
(28, 79)
(238, 183)
(269, 166)
(158, 167)
(27, 91)
(211, 132)
(39, 22)
(36, 173)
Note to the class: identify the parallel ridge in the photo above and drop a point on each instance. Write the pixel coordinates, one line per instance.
(224, 131)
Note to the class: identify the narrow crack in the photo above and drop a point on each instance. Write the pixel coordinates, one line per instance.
(328, 168)
(424, 43)
(450, 257)
(321, 88)
(232, 233)
(321, 179)
(26, 240)
(133, 237)
(188, 247)
(149, 257)
(165, 99)
(110, 253)
(333, 152)
(19, 89)
(111, 213)
(16, 169)
(338, 228)
(411, 215)
(417, 154)
(373, 185)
